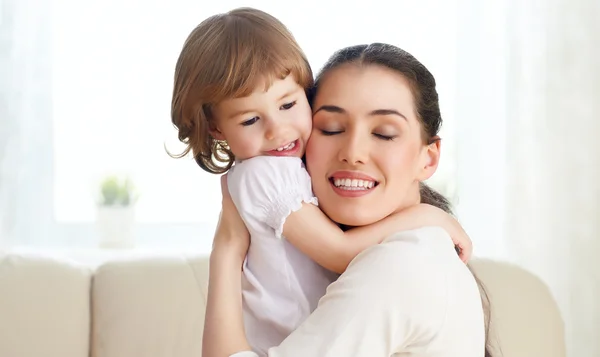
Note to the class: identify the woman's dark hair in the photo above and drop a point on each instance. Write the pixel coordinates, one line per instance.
(423, 88)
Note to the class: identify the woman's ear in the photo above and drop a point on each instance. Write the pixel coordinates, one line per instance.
(430, 158)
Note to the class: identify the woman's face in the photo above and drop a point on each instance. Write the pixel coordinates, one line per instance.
(366, 155)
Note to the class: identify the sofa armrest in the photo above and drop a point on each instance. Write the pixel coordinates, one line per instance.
(525, 319)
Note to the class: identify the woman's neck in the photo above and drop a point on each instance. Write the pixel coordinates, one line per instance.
(412, 198)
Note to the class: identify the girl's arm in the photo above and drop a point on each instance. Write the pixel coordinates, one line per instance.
(277, 191)
(223, 325)
(313, 233)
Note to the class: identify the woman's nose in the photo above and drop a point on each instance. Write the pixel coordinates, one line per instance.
(354, 149)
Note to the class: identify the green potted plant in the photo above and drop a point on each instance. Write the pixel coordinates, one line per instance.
(116, 212)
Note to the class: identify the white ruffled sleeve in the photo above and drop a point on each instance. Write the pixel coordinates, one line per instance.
(266, 189)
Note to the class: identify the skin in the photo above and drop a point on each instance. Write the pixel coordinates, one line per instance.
(277, 121)
(260, 123)
(365, 123)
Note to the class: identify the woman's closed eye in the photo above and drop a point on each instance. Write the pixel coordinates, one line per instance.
(377, 135)
(385, 137)
(288, 106)
(250, 121)
(330, 132)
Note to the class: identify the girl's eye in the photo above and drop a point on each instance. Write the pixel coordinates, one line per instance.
(385, 137)
(330, 133)
(287, 106)
(250, 121)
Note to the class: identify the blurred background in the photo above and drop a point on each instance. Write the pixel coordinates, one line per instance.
(85, 91)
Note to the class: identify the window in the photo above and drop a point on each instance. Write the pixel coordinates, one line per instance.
(111, 69)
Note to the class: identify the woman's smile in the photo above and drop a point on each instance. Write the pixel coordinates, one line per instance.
(352, 183)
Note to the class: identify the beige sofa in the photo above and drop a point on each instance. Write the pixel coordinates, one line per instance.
(154, 307)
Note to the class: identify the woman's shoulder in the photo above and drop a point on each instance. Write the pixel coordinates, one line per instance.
(430, 241)
(424, 258)
(419, 273)
(446, 294)
(410, 274)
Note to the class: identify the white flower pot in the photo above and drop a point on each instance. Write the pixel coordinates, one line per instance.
(116, 226)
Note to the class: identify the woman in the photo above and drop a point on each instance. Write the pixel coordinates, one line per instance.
(375, 113)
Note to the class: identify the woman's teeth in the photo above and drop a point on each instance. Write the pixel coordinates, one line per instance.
(353, 184)
(287, 147)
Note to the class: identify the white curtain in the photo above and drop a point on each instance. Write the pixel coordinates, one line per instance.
(553, 177)
(529, 180)
(25, 126)
(528, 100)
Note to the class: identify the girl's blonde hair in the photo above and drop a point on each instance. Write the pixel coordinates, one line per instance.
(225, 57)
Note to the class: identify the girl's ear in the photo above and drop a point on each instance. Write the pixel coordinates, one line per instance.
(430, 159)
(216, 133)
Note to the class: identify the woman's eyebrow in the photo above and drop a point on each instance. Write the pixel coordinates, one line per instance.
(330, 109)
(336, 109)
(388, 112)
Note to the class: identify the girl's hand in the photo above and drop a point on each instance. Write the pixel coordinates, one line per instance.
(461, 240)
(422, 215)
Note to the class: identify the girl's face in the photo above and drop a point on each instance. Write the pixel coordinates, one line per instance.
(366, 155)
(272, 122)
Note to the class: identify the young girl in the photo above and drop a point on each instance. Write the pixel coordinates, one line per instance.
(240, 105)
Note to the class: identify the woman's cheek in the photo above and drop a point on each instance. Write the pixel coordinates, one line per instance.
(398, 160)
(311, 143)
(316, 153)
(310, 151)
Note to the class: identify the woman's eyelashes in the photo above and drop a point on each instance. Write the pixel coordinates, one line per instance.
(385, 137)
(376, 135)
(330, 132)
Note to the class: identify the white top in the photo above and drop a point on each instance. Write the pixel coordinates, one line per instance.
(409, 296)
(281, 286)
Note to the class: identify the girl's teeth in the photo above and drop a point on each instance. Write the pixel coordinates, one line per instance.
(353, 184)
(287, 147)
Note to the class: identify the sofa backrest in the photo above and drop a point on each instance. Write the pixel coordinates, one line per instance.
(154, 307)
(149, 308)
